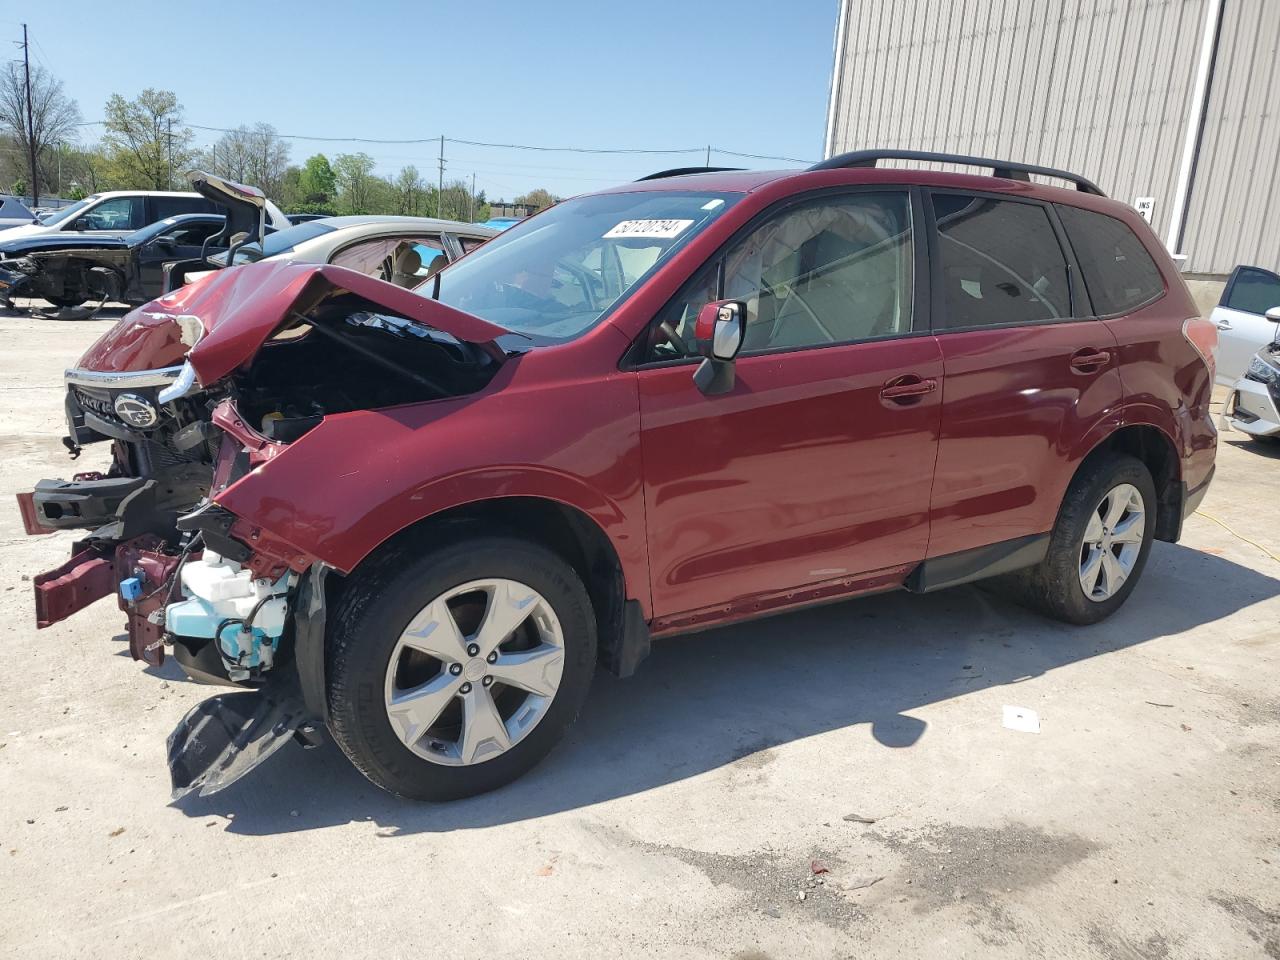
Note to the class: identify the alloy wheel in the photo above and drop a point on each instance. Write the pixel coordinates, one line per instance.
(474, 672)
(1112, 542)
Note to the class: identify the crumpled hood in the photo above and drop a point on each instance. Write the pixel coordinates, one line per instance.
(44, 243)
(232, 312)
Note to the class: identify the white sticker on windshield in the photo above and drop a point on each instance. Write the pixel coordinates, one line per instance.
(664, 229)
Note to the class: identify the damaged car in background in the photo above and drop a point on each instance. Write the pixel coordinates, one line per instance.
(71, 270)
(72, 267)
(421, 518)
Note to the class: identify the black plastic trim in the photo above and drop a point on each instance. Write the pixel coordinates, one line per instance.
(630, 647)
(951, 570)
(1006, 169)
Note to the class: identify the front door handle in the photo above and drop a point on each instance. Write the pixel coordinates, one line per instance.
(1089, 360)
(907, 388)
(1224, 324)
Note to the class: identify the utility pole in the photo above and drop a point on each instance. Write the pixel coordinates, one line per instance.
(708, 163)
(440, 187)
(472, 216)
(31, 127)
(169, 141)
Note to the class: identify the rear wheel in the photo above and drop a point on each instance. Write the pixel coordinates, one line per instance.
(455, 673)
(1099, 545)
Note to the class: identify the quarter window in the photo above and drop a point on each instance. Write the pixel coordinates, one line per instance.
(1001, 262)
(1118, 272)
(176, 206)
(1252, 290)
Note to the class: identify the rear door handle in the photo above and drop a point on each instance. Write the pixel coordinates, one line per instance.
(1224, 324)
(1089, 360)
(908, 387)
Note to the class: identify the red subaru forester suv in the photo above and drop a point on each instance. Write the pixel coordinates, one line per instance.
(422, 518)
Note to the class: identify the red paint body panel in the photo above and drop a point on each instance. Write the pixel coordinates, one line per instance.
(801, 474)
(30, 522)
(146, 338)
(542, 428)
(241, 307)
(1017, 419)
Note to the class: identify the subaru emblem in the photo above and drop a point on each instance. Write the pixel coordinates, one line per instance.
(135, 410)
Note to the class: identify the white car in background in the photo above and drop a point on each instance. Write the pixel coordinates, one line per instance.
(1241, 317)
(402, 250)
(120, 213)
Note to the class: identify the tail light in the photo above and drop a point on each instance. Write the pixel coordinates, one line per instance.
(1202, 334)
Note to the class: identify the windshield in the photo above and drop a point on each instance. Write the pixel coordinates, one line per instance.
(554, 276)
(58, 216)
(282, 241)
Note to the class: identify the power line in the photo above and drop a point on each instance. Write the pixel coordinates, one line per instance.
(624, 151)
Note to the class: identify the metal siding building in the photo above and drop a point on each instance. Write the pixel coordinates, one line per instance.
(1104, 88)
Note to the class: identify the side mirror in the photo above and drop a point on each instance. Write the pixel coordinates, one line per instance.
(1273, 314)
(81, 224)
(719, 331)
(163, 243)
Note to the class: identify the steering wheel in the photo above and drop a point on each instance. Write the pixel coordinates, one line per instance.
(677, 341)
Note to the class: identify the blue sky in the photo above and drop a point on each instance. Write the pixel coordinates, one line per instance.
(747, 75)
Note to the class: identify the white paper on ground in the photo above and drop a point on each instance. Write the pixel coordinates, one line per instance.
(1021, 719)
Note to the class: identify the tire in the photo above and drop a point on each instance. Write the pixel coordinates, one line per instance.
(1054, 585)
(371, 624)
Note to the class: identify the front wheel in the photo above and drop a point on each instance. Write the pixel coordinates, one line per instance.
(456, 672)
(1099, 545)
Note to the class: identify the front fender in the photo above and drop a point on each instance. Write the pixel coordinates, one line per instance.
(359, 478)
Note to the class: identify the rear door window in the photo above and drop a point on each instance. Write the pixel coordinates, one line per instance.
(1252, 290)
(1118, 272)
(1001, 262)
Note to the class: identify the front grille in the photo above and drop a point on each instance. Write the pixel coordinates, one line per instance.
(98, 403)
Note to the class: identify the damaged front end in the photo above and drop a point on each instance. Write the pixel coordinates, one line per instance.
(195, 392)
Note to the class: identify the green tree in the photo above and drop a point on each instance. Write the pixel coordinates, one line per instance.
(254, 155)
(54, 117)
(539, 199)
(354, 175)
(145, 140)
(317, 184)
(410, 191)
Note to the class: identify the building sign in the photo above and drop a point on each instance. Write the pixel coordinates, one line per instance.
(1145, 206)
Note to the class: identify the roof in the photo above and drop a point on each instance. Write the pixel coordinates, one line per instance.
(408, 223)
(749, 181)
(142, 193)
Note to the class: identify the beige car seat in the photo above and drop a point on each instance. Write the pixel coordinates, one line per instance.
(405, 271)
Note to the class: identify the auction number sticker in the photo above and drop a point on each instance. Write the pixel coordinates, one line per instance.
(663, 229)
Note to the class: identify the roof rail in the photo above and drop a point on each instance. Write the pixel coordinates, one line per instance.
(999, 168)
(681, 171)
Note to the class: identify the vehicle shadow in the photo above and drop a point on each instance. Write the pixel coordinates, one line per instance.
(1262, 448)
(702, 702)
(41, 310)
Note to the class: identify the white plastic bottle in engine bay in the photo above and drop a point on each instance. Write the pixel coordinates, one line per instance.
(218, 590)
